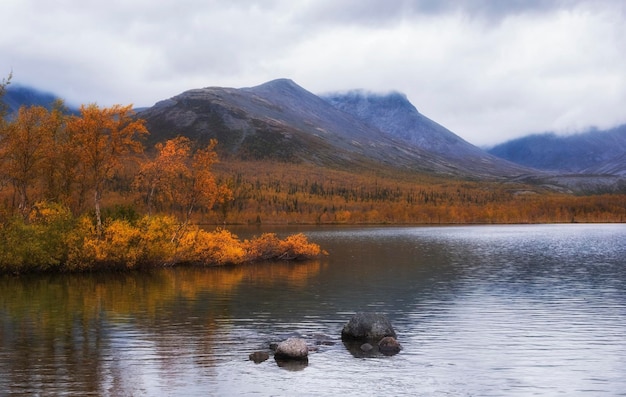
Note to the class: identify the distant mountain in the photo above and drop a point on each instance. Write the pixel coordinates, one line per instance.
(395, 115)
(593, 152)
(19, 95)
(282, 121)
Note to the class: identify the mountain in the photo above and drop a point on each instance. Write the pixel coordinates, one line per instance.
(396, 116)
(19, 95)
(282, 121)
(593, 152)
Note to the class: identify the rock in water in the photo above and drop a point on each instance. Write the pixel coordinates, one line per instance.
(258, 357)
(367, 327)
(389, 346)
(293, 349)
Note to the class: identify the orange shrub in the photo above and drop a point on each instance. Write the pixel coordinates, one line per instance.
(269, 246)
(265, 247)
(219, 247)
(297, 246)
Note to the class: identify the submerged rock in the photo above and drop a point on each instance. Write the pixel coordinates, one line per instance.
(366, 347)
(323, 340)
(367, 327)
(292, 365)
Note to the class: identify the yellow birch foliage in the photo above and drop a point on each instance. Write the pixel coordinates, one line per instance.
(218, 247)
(104, 136)
(297, 246)
(178, 177)
(264, 247)
(160, 178)
(158, 240)
(24, 144)
(269, 246)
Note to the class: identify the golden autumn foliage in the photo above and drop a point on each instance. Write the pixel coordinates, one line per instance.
(273, 193)
(57, 161)
(26, 140)
(179, 177)
(103, 137)
(52, 239)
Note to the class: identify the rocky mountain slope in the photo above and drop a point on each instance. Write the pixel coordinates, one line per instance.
(282, 121)
(395, 115)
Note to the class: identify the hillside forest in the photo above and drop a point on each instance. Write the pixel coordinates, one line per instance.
(80, 191)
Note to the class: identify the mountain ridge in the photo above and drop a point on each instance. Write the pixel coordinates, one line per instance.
(283, 121)
(395, 115)
(591, 152)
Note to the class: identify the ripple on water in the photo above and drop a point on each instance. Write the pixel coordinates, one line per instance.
(486, 311)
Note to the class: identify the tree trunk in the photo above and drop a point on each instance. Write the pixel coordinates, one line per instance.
(97, 198)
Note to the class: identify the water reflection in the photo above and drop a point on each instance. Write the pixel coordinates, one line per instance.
(489, 310)
(120, 333)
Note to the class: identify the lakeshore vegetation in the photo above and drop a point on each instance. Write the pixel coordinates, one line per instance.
(77, 192)
(81, 191)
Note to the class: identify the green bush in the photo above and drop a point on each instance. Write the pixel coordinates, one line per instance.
(37, 243)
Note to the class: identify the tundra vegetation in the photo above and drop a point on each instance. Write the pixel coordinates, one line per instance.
(80, 192)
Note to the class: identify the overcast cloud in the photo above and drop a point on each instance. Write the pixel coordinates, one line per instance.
(489, 70)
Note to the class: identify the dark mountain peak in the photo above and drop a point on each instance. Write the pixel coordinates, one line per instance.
(277, 88)
(276, 85)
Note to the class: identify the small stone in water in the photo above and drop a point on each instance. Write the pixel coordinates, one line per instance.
(366, 347)
(259, 357)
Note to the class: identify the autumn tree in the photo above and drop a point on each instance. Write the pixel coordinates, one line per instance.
(104, 137)
(24, 146)
(158, 178)
(3, 89)
(3, 110)
(202, 189)
(61, 162)
(180, 176)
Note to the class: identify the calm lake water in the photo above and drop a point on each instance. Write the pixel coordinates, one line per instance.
(479, 310)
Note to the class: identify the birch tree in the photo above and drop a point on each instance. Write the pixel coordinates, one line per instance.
(104, 137)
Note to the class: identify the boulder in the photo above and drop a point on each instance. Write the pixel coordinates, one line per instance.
(389, 346)
(367, 327)
(292, 349)
(258, 357)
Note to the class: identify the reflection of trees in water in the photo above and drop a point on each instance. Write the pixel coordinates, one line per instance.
(77, 333)
(293, 274)
(45, 357)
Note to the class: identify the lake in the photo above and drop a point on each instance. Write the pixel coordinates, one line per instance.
(479, 310)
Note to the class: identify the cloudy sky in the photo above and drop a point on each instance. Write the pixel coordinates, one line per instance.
(489, 70)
